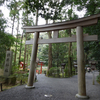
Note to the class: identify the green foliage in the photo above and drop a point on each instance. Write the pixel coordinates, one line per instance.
(14, 8)
(59, 54)
(54, 71)
(91, 6)
(48, 9)
(44, 54)
(21, 76)
(98, 78)
(59, 51)
(6, 40)
(26, 20)
(2, 2)
(14, 70)
(66, 70)
(92, 48)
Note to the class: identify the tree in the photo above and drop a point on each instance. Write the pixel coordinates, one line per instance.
(6, 40)
(14, 7)
(91, 6)
(50, 10)
(91, 48)
(69, 14)
(27, 21)
(2, 2)
(53, 14)
(20, 49)
(16, 43)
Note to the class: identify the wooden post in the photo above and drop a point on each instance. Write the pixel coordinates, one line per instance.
(1, 86)
(81, 64)
(41, 69)
(33, 61)
(93, 79)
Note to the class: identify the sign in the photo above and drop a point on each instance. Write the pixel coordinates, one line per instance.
(8, 63)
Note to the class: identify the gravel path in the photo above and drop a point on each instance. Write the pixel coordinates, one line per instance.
(57, 88)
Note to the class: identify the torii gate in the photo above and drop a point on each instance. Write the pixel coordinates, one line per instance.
(79, 38)
(40, 63)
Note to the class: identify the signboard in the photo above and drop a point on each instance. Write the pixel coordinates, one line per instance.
(8, 63)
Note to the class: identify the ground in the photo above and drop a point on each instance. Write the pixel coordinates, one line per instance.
(56, 88)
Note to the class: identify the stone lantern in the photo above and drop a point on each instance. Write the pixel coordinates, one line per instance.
(62, 68)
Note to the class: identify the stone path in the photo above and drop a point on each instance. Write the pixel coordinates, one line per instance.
(57, 88)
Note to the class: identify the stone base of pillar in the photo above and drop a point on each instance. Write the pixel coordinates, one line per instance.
(29, 87)
(82, 97)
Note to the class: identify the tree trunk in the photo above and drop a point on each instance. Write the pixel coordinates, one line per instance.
(16, 44)
(70, 56)
(20, 50)
(27, 59)
(13, 25)
(25, 47)
(57, 55)
(25, 54)
(49, 51)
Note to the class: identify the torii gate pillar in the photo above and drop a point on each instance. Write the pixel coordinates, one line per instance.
(33, 61)
(80, 63)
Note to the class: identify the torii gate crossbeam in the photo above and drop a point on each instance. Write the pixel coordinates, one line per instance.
(86, 37)
(78, 24)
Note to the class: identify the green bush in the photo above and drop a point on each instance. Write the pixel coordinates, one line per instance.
(54, 71)
(73, 71)
(14, 69)
(66, 71)
(51, 71)
(98, 78)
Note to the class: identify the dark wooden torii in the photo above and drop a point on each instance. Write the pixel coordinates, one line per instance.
(79, 38)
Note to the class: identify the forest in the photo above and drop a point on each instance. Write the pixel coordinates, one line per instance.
(27, 13)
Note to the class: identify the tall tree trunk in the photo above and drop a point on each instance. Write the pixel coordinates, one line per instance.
(16, 44)
(57, 57)
(25, 47)
(70, 56)
(70, 50)
(20, 49)
(13, 25)
(25, 54)
(12, 30)
(49, 51)
(36, 18)
(27, 59)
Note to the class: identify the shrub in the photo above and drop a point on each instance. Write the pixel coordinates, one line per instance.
(54, 71)
(66, 72)
(98, 78)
